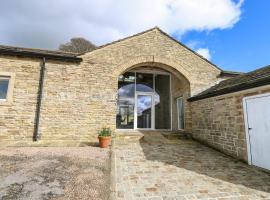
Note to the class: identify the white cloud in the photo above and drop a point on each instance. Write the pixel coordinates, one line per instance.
(193, 44)
(204, 52)
(48, 23)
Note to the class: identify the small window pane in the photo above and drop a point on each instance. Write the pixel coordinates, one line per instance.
(180, 109)
(144, 82)
(126, 86)
(3, 88)
(144, 111)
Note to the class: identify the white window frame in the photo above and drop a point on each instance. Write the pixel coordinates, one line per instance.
(152, 110)
(11, 80)
(4, 78)
(178, 112)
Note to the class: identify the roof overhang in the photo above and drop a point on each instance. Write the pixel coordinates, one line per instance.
(36, 53)
(236, 88)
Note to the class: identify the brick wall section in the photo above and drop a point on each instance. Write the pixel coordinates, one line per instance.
(219, 122)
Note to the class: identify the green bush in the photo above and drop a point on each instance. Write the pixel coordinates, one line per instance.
(105, 132)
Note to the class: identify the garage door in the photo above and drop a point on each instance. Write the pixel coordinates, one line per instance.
(258, 130)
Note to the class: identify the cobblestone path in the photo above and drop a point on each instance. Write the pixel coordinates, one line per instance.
(183, 169)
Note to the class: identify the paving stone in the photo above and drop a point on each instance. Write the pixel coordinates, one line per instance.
(162, 170)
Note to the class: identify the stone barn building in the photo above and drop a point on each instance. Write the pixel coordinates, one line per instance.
(144, 83)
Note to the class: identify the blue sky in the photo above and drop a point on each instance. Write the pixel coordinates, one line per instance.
(234, 34)
(245, 46)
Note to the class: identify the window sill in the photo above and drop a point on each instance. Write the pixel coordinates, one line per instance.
(6, 103)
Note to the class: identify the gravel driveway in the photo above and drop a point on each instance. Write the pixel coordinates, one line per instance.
(54, 173)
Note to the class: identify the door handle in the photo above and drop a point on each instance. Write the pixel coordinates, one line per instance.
(249, 128)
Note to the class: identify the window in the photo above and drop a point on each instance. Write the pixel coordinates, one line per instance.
(144, 82)
(6, 87)
(180, 113)
(126, 102)
(4, 82)
(144, 101)
(162, 102)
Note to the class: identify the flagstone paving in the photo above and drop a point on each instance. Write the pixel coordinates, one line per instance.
(183, 169)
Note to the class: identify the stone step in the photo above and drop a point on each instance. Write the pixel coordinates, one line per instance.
(177, 135)
(128, 135)
(151, 136)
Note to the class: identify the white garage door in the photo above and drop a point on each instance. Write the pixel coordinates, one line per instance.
(258, 130)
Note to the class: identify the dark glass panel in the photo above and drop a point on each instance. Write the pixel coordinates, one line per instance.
(3, 88)
(144, 82)
(162, 102)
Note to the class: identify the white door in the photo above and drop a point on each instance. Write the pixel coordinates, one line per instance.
(258, 129)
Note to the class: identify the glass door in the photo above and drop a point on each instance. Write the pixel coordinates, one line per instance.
(144, 111)
(144, 101)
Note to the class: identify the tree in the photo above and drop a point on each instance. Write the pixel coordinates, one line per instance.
(77, 45)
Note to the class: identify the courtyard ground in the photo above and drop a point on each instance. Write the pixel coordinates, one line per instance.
(54, 173)
(161, 169)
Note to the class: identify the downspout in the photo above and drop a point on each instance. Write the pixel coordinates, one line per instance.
(37, 134)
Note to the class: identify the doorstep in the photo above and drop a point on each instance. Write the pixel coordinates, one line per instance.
(137, 135)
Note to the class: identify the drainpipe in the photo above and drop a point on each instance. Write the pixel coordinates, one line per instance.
(37, 134)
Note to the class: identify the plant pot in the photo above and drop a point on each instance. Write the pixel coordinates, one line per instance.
(104, 142)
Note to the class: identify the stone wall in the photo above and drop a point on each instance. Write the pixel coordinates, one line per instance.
(68, 104)
(65, 116)
(80, 99)
(17, 117)
(153, 49)
(219, 122)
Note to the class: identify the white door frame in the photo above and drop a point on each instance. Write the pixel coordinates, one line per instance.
(152, 94)
(246, 122)
(178, 122)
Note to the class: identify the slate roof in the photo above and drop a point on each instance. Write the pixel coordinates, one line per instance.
(230, 73)
(256, 78)
(39, 53)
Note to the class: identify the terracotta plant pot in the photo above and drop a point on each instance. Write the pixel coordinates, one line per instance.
(104, 142)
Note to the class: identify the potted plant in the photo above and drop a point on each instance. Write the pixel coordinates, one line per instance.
(105, 137)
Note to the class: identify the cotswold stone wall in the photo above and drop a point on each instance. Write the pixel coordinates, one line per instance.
(63, 113)
(80, 99)
(152, 49)
(219, 122)
(68, 104)
(17, 117)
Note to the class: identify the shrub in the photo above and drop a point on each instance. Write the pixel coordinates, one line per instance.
(105, 132)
